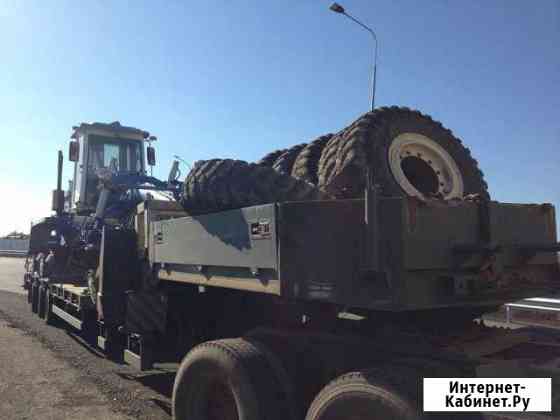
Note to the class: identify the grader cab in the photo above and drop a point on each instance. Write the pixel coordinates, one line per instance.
(99, 148)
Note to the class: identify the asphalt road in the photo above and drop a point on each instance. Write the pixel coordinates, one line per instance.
(35, 384)
(47, 372)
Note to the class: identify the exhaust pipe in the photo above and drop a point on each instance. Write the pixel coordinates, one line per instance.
(59, 173)
(58, 194)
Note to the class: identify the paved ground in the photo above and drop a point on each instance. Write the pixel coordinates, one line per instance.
(11, 274)
(47, 372)
(35, 384)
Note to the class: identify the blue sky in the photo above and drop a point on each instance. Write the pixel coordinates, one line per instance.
(240, 78)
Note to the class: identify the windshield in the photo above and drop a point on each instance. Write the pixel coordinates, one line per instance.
(116, 154)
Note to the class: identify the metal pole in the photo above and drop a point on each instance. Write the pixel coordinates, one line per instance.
(59, 171)
(367, 28)
(339, 9)
(59, 193)
(371, 263)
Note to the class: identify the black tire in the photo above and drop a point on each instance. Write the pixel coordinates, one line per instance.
(365, 142)
(29, 293)
(34, 297)
(50, 318)
(282, 382)
(269, 159)
(41, 304)
(90, 326)
(222, 184)
(228, 379)
(285, 161)
(115, 344)
(381, 393)
(427, 368)
(306, 164)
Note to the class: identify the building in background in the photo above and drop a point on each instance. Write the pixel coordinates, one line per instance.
(14, 243)
(16, 235)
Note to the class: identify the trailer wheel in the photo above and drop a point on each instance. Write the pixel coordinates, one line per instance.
(49, 317)
(90, 326)
(29, 293)
(381, 393)
(412, 155)
(228, 379)
(34, 297)
(41, 302)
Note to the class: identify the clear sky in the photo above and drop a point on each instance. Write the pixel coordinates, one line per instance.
(241, 78)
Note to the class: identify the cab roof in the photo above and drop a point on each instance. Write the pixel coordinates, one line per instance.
(114, 127)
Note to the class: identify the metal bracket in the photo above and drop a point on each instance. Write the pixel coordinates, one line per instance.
(462, 252)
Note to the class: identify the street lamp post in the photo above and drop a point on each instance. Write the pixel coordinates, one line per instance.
(337, 8)
(371, 191)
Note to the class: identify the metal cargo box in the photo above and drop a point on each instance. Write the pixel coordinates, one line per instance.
(430, 254)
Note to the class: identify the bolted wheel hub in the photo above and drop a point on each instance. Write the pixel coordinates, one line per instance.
(423, 168)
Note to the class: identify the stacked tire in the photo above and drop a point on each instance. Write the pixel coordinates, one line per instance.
(405, 152)
(222, 184)
(410, 154)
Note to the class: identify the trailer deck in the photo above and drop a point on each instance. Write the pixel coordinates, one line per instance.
(430, 255)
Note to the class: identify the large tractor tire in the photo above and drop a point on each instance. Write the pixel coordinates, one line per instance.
(381, 393)
(229, 379)
(285, 161)
(307, 162)
(269, 159)
(412, 155)
(222, 184)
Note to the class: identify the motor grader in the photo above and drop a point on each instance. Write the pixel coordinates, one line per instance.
(323, 281)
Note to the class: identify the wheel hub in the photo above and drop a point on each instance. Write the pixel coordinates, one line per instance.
(423, 168)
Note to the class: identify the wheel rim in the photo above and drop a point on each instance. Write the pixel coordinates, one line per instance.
(423, 168)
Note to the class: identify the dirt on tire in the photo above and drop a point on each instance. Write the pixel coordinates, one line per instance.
(222, 184)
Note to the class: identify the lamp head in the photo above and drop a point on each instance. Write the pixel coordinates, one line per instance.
(337, 8)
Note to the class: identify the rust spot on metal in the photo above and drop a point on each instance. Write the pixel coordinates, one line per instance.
(412, 204)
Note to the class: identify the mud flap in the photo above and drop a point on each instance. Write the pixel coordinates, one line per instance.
(119, 270)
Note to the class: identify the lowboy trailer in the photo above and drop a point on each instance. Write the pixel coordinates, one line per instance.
(327, 307)
(296, 279)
